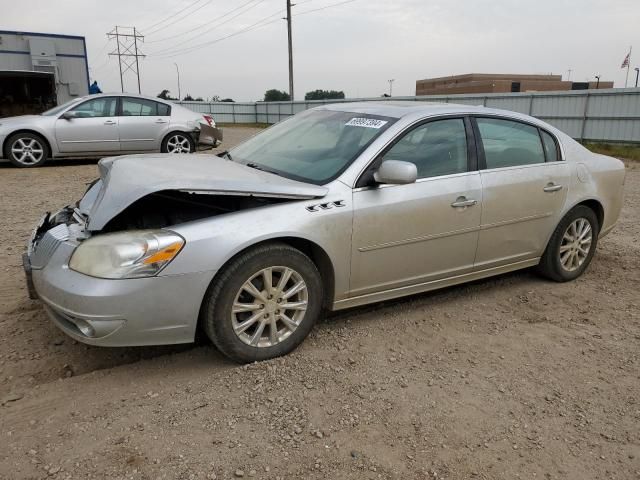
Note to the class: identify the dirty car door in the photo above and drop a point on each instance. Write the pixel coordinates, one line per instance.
(409, 234)
(93, 128)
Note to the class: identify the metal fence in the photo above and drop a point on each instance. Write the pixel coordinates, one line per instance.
(611, 115)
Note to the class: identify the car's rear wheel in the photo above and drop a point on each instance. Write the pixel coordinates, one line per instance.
(26, 150)
(263, 304)
(178, 142)
(571, 246)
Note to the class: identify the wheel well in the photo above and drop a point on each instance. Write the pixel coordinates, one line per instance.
(597, 208)
(32, 132)
(188, 134)
(317, 255)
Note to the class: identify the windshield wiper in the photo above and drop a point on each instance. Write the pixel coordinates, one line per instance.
(225, 154)
(261, 168)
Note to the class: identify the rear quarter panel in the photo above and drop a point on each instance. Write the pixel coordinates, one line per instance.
(595, 177)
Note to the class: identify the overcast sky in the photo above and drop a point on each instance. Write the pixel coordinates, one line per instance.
(355, 47)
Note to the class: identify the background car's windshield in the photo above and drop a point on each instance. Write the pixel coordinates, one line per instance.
(314, 146)
(60, 108)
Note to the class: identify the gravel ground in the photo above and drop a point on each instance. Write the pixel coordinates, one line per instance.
(512, 377)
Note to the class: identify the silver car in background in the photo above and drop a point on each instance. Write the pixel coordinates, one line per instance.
(105, 124)
(339, 206)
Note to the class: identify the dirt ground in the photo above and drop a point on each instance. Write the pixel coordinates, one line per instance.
(512, 377)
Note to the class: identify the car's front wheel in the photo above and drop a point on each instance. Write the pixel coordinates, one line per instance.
(26, 150)
(572, 245)
(263, 304)
(178, 142)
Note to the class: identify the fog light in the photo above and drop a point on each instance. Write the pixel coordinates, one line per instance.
(86, 329)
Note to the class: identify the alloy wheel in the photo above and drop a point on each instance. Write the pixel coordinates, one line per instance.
(178, 144)
(576, 244)
(269, 306)
(27, 151)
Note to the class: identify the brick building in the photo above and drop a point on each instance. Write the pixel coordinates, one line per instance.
(499, 83)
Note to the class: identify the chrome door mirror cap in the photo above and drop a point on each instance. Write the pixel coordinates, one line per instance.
(396, 172)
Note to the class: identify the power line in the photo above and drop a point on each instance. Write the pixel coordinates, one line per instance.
(172, 15)
(171, 50)
(192, 30)
(169, 53)
(322, 8)
(176, 20)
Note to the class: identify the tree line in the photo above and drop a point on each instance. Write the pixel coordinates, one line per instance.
(272, 95)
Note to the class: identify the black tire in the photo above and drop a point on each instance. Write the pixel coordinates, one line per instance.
(35, 150)
(550, 265)
(216, 315)
(185, 140)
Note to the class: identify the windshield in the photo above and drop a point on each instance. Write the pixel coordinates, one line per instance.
(60, 108)
(314, 146)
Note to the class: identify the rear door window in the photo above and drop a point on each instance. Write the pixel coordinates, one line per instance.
(141, 107)
(509, 143)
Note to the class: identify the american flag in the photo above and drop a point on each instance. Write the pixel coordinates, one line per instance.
(626, 60)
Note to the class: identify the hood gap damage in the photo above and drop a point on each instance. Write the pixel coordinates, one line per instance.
(173, 207)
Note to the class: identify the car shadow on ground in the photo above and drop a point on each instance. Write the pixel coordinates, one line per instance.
(78, 358)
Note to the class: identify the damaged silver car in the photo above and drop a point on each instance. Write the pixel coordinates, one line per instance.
(336, 207)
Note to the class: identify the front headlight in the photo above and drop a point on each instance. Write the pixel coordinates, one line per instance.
(134, 254)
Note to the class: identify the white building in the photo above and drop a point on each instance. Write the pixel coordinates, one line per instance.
(40, 68)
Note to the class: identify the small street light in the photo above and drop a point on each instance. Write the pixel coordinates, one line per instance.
(178, 72)
(598, 81)
(637, 73)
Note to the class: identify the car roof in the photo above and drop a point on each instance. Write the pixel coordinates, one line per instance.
(403, 109)
(125, 94)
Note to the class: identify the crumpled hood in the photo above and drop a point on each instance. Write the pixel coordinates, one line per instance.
(123, 180)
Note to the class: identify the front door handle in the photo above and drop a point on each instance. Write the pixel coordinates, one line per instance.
(109, 122)
(462, 202)
(552, 187)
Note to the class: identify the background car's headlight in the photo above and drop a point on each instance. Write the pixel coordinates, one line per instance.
(134, 254)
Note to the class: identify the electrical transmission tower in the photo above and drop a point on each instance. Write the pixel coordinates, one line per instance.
(127, 39)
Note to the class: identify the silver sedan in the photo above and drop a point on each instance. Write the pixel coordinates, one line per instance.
(105, 124)
(338, 206)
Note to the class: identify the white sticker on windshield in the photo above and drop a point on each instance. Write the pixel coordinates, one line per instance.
(366, 123)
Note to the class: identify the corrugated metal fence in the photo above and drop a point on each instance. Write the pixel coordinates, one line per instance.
(611, 115)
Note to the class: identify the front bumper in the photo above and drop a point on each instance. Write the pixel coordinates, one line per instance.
(115, 313)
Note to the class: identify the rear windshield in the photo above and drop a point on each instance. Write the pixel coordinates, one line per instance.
(314, 146)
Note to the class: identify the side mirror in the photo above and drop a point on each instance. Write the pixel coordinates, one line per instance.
(396, 172)
(69, 115)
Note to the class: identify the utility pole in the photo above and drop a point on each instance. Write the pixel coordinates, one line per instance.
(598, 82)
(178, 72)
(127, 51)
(391, 86)
(570, 70)
(290, 49)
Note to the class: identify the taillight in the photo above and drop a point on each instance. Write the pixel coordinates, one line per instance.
(209, 120)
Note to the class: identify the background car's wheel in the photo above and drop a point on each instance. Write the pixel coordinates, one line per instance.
(26, 150)
(263, 304)
(178, 142)
(571, 246)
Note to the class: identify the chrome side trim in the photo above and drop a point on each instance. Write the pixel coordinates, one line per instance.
(417, 239)
(517, 220)
(432, 285)
(454, 232)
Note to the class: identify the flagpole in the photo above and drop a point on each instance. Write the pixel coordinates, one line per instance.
(626, 81)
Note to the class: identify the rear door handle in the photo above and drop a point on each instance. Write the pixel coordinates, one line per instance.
(109, 122)
(462, 202)
(552, 187)
(161, 121)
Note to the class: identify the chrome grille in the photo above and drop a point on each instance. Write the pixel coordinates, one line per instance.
(48, 244)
